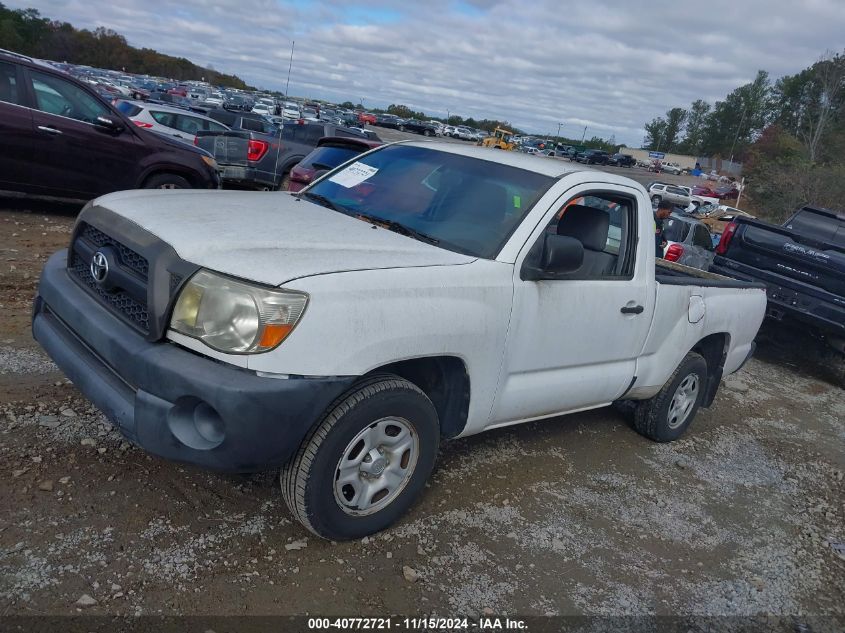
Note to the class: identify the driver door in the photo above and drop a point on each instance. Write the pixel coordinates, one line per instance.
(76, 158)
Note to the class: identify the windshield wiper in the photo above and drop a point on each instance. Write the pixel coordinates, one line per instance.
(396, 227)
(323, 201)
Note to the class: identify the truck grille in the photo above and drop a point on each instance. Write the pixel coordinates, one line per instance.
(128, 257)
(132, 309)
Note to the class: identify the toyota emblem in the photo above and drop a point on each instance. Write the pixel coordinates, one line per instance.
(99, 267)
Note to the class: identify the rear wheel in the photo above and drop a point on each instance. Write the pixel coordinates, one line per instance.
(666, 416)
(363, 466)
(284, 185)
(426, 132)
(166, 181)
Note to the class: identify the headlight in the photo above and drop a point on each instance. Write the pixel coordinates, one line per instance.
(232, 316)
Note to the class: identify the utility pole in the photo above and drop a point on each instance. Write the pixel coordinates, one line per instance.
(584, 135)
(558, 130)
(738, 128)
(287, 85)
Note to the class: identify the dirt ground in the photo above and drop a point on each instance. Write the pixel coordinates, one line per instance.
(576, 515)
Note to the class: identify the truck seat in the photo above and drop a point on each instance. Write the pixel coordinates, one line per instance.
(590, 227)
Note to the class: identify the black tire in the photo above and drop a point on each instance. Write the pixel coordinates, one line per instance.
(426, 132)
(166, 181)
(655, 418)
(401, 128)
(308, 480)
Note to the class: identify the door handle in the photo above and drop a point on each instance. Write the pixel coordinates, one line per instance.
(632, 310)
(49, 130)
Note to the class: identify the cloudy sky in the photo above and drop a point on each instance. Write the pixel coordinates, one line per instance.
(609, 65)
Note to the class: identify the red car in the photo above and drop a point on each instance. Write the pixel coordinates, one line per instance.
(331, 151)
(701, 190)
(727, 192)
(366, 117)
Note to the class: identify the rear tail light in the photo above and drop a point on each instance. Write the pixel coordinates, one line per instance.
(256, 149)
(674, 253)
(196, 140)
(142, 124)
(725, 240)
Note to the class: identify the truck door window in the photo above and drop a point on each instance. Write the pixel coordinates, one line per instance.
(603, 226)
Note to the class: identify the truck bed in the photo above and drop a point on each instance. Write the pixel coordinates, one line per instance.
(672, 274)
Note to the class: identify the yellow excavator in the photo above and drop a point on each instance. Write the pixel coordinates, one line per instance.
(501, 139)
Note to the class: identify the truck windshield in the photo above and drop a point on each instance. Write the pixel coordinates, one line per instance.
(466, 204)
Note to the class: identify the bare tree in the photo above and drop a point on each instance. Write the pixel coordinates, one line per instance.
(829, 80)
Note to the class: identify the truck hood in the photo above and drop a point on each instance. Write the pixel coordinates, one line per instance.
(270, 237)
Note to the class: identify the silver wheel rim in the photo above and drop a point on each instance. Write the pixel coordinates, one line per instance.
(376, 466)
(683, 401)
(169, 185)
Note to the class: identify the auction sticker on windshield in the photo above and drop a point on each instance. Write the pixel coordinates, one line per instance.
(353, 175)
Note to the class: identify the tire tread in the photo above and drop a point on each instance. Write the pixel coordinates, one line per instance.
(295, 474)
(646, 414)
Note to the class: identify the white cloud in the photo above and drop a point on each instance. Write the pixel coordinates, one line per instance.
(611, 66)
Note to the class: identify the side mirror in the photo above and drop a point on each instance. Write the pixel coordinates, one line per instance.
(108, 124)
(561, 254)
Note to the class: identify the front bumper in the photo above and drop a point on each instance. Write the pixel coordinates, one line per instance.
(247, 176)
(172, 402)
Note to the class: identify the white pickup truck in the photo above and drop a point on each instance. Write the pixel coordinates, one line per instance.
(422, 291)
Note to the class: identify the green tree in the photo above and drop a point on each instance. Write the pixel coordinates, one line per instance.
(26, 31)
(675, 119)
(655, 132)
(735, 122)
(696, 119)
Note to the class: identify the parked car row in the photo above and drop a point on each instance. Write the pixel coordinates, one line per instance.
(61, 139)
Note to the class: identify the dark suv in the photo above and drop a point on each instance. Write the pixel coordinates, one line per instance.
(59, 138)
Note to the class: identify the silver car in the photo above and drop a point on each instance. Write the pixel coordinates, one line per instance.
(176, 122)
(658, 191)
(688, 241)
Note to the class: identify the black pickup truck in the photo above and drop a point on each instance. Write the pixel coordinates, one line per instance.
(801, 262)
(258, 155)
(419, 127)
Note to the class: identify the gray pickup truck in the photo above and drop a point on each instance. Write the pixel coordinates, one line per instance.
(255, 154)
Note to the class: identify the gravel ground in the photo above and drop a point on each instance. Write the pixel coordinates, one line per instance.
(576, 515)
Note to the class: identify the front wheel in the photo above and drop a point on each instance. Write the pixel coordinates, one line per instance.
(363, 466)
(667, 415)
(426, 132)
